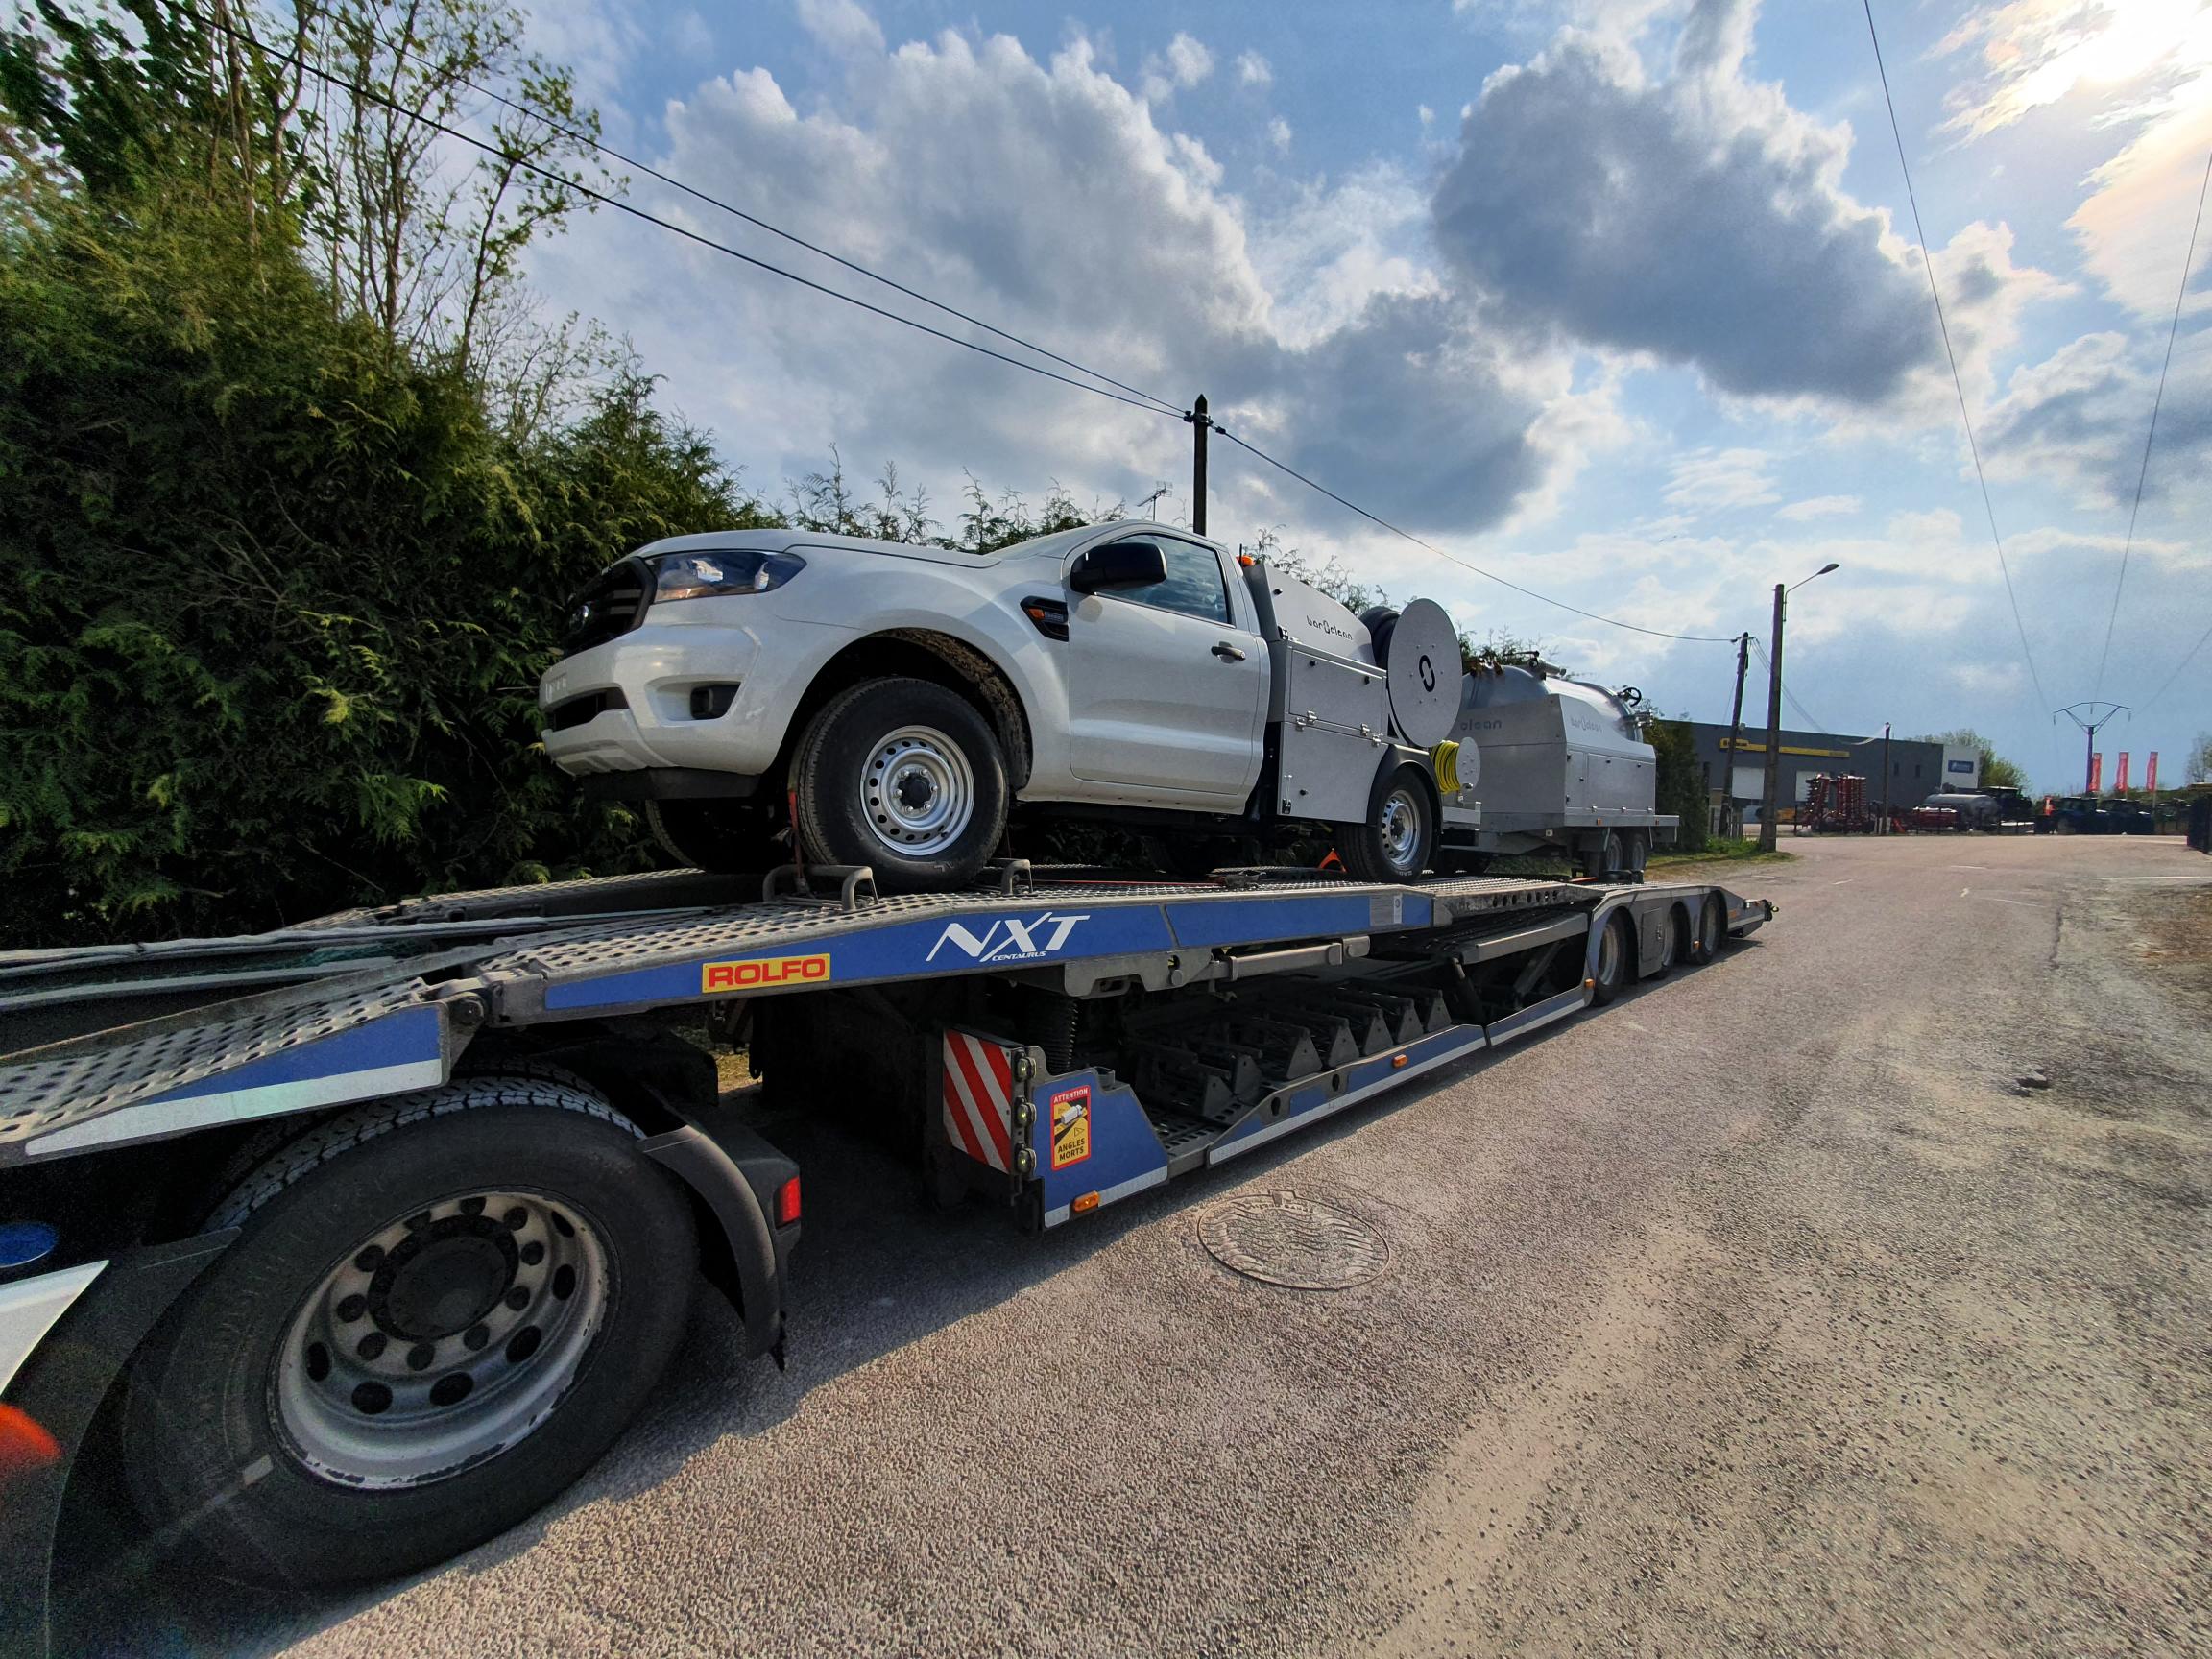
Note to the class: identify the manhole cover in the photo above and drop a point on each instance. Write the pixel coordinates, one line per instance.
(1285, 1239)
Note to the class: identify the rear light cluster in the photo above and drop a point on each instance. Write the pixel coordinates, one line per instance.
(788, 1203)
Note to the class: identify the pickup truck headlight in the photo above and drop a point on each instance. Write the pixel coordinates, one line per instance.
(718, 574)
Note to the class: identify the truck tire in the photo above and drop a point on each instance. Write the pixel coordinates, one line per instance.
(1399, 835)
(906, 776)
(441, 1309)
(1616, 962)
(1711, 929)
(723, 836)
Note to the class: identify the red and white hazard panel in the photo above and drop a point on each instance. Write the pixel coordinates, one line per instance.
(979, 1098)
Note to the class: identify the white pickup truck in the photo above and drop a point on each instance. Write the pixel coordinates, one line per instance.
(779, 694)
(895, 703)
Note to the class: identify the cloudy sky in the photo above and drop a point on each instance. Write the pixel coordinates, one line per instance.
(1620, 300)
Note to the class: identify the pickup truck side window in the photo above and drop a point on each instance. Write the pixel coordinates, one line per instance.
(1193, 585)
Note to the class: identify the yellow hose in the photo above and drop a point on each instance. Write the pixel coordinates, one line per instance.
(1445, 758)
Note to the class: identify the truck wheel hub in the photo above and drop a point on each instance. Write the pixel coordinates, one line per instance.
(440, 1339)
(1401, 828)
(446, 1283)
(916, 791)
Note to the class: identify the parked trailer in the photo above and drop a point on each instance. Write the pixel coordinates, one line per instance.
(356, 1243)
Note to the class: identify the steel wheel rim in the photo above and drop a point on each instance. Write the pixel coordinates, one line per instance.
(440, 1339)
(916, 791)
(1400, 831)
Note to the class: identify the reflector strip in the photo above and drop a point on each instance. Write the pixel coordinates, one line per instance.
(979, 1099)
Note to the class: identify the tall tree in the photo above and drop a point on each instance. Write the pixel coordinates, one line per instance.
(1996, 771)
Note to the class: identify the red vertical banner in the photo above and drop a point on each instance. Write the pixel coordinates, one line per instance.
(2120, 775)
(2096, 771)
(2151, 772)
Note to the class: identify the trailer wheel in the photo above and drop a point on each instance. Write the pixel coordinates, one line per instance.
(1711, 929)
(904, 775)
(440, 1311)
(1399, 836)
(1616, 960)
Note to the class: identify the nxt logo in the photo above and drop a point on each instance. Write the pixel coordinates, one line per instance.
(1009, 939)
(761, 975)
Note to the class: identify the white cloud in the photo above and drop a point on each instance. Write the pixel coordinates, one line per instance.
(843, 26)
(1253, 70)
(1716, 480)
(1279, 135)
(690, 35)
(1185, 64)
(1819, 507)
(1428, 115)
(931, 165)
(2037, 52)
(2144, 65)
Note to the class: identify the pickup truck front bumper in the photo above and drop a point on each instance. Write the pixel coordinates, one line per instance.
(684, 697)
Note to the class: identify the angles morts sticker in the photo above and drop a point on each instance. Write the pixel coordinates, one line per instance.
(763, 973)
(1070, 1120)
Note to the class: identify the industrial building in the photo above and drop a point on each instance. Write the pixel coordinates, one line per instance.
(1917, 770)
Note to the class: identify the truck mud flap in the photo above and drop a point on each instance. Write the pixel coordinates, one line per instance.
(57, 1393)
(738, 1176)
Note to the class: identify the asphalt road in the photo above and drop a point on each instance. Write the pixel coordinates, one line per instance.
(1762, 1313)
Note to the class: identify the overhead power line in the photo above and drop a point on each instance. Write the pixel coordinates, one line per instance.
(2166, 685)
(1153, 405)
(698, 195)
(1464, 565)
(1788, 696)
(1943, 326)
(371, 96)
(2157, 399)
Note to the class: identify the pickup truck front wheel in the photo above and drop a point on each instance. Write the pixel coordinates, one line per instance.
(904, 775)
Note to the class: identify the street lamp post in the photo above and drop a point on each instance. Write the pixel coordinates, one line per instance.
(1769, 803)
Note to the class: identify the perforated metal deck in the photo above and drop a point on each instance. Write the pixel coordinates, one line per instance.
(659, 954)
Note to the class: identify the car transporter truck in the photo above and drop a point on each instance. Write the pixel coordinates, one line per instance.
(352, 1244)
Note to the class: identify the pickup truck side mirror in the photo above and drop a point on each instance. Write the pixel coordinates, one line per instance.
(1119, 564)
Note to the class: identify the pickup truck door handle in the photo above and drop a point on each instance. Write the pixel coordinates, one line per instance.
(1228, 653)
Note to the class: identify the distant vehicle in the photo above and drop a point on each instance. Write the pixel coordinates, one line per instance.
(1971, 811)
(776, 697)
(2130, 817)
(2014, 807)
(2080, 816)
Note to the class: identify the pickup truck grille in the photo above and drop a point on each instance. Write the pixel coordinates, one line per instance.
(614, 603)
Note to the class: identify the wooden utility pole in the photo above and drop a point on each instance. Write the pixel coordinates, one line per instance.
(1201, 423)
(1769, 803)
(1884, 827)
(1735, 738)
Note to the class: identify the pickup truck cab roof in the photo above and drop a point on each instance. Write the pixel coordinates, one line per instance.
(777, 539)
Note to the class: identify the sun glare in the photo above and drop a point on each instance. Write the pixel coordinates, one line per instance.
(2135, 36)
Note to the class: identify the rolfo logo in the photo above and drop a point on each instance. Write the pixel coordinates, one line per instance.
(1009, 938)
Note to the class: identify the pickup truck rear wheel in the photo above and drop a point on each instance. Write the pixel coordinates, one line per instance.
(1395, 843)
(904, 775)
(441, 1309)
